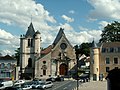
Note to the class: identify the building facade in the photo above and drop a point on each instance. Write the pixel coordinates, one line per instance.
(104, 58)
(57, 59)
(8, 67)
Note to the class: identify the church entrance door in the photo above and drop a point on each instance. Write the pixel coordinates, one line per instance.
(63, 69)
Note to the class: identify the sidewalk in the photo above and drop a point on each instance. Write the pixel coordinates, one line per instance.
(94, 85)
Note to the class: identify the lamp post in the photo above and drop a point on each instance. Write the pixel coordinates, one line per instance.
(77, 48)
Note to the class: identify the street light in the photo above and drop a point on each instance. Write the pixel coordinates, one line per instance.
(77, 52)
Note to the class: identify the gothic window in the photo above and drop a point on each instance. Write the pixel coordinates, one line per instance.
(29, 62)
(29, 43)
(44, 72)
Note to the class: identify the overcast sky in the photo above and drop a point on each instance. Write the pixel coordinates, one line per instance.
(82, 20)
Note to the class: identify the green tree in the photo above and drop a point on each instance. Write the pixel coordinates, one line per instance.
(17, 56)
(111, 33)
(84, 48)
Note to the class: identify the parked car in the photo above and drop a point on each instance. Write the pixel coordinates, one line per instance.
(52, 79)
(45, 85)
(27, 85)
(18, 82)
(13, 88)
(37, 84)
(59, 78)
(4, 84)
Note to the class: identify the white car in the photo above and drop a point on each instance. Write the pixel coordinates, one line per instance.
(5, 84)
(37, 84)
(19, 82)
(27, 87)
(45, 85)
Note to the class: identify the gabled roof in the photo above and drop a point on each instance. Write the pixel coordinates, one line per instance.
(30, 32)
(58, 37)
(7, 57)
(46, 50)
(94, 45)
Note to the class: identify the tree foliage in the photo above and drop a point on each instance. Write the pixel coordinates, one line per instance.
(17, 56)
(84, 48)
(111, 33)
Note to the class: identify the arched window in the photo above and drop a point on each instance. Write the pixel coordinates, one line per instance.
(29, 62)
(29, 42)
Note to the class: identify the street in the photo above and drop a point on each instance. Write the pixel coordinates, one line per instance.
(64, 85)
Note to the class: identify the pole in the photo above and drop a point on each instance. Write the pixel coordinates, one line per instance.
(77, 58)
(77, 71)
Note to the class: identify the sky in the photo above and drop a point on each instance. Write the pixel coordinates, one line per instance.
(82, 20)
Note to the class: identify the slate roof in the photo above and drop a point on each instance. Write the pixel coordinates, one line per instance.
(7, 57)
(58, 37)
(30, 32)
(94, 45)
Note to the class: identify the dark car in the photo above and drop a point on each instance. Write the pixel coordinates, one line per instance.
(13, 88)
(59, 78)
(51, 79)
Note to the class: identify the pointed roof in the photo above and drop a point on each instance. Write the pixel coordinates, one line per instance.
(7, 57)
(94, 44)
(30, 32)
(59, 35)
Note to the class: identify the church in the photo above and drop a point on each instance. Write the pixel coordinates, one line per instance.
(57, 59)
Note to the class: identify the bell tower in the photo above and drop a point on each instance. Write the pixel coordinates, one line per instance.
(30, 44)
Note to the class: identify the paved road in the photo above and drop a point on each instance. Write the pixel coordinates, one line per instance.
(64, 85)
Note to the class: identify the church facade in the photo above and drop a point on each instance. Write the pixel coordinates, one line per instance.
(57, 59)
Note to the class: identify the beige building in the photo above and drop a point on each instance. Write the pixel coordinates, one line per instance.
(57, 59)
(103, 58)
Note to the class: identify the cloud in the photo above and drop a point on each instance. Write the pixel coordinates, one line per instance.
(14, 12)
(19, 13)
(8, 42)
(106, 9)
(72, 11)
(83, 28)
(86, 35)
(103, 24)
(66, 26)
(68, 19)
